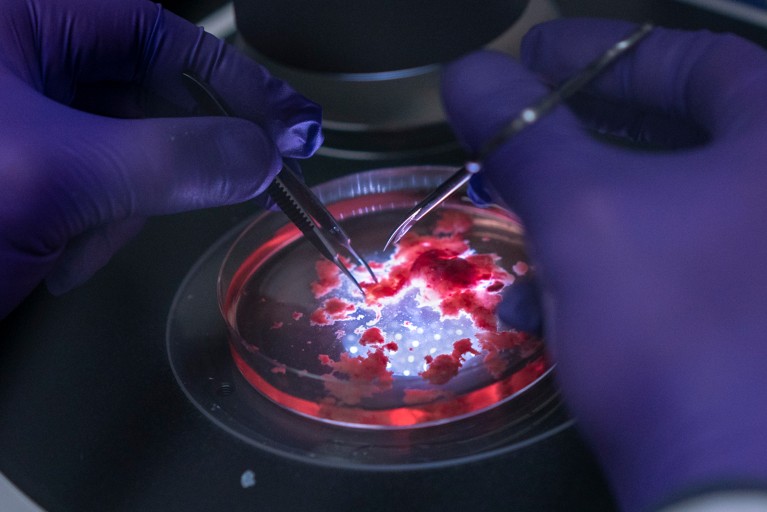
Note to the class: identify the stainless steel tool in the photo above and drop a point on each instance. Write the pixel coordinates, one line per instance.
(294, 197)
(525, 118)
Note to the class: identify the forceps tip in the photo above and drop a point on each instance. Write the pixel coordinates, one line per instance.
(349, 274)
(361, 261)
(403, 228)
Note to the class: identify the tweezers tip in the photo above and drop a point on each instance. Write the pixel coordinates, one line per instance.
(395, 237)
(404, 227)
(349, 274)
(361, 262)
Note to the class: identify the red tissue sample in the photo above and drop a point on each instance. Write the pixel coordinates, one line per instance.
(445, 366)
(442, 274)
(328, 278)
(367, 373)
(452, 222)
(332, 310)
(448, 277)
(374, 335)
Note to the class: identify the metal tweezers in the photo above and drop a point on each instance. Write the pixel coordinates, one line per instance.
(293, 196)
(525, 118)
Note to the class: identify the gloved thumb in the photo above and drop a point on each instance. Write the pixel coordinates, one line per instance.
(161, 166)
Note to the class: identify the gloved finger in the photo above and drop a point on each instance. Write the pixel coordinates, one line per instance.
(521, 307)
(95, 170)
(138, 42)
(159, 166)
(87, 253)
(125, 101)
(640, 126)
(478, 192)
(249, 90)
(698, 76)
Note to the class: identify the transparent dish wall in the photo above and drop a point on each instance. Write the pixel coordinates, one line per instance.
(421, 347)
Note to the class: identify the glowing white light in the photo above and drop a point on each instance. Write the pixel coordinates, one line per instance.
(473, 167)
(436, 333)
(406, 373)
(529, 115)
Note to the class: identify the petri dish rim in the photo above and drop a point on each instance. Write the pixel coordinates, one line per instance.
(412, 181)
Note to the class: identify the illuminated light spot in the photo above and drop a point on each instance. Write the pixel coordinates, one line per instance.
(433, 350)
(459, 332)
(353, 350)
(419, 330)
(398, 337)
(415, 343)
(406, 373)
(473, 167)
(410, 359)
(248, 479)
(529, 115)
(388, 366)
(437, 337)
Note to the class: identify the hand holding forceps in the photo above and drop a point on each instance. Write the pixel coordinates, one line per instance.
(524, 119)
(295, 198)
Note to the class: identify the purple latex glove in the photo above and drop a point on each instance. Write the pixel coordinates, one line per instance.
(81, 166)
(651, 264)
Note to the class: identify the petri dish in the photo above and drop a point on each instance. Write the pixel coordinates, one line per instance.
(421, 347)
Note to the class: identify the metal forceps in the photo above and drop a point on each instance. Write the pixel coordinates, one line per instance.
(294, 197)
(524, 119)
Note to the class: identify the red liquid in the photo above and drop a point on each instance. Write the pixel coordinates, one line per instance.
(363, 383)
(419, 406)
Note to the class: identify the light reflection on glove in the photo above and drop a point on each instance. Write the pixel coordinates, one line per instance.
(81, 166)
(651, 263)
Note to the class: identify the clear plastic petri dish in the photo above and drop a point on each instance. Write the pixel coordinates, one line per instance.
(421, 347)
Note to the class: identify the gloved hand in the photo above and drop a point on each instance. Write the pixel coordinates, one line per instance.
(651, 262)
(80, 165)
